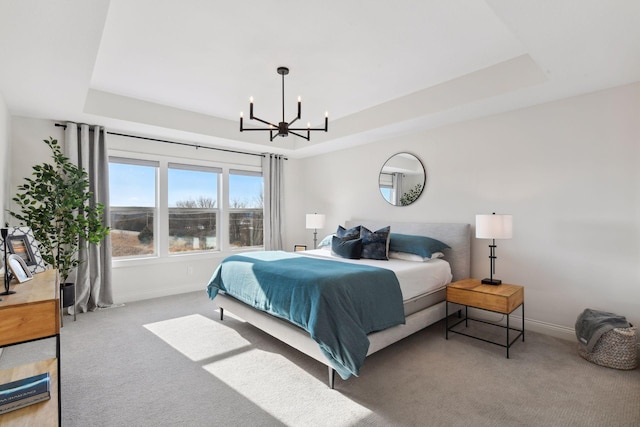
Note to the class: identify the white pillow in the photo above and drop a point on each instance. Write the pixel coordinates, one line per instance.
(413, 257)
(326, 242)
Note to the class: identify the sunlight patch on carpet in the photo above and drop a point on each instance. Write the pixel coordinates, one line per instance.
(286, 391)
(197, 336)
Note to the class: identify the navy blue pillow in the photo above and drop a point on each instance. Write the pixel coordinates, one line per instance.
(350, 234)
(346, 248)
(375, 244)
(419, 245)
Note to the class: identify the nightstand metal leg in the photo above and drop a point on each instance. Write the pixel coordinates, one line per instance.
(507, 336)
(446, 320)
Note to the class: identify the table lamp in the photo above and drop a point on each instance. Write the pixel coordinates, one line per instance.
(493, 227)
(315, 221)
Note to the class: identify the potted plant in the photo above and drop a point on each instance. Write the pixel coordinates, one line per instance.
(54, 202)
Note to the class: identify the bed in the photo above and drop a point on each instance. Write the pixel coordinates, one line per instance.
(420, 308)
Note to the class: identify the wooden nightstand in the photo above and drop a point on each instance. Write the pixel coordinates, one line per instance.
(502, 299)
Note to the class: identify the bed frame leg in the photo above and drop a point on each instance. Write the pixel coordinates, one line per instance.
(221, 313)
(332, 377)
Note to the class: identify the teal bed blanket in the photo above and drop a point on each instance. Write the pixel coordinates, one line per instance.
(337, 303)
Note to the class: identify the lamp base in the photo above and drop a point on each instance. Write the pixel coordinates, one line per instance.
(494, 282)
(7, 292)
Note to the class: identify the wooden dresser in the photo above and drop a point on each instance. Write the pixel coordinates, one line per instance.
(33, 313)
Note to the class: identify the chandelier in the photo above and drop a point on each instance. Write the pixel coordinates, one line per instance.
(283, 128)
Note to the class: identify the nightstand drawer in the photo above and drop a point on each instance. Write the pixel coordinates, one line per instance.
(503, 298)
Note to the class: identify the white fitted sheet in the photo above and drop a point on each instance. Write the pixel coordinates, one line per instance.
(416, 278)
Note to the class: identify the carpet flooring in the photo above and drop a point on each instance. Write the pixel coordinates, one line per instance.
(171, 362)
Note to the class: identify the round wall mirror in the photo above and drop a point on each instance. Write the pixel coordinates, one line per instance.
(402, 179)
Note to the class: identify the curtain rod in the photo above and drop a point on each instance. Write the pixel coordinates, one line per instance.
(196, 146)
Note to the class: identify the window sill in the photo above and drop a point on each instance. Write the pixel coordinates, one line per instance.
(178, 258)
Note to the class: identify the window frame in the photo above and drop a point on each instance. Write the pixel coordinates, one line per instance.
(162, 220)
(130, 160)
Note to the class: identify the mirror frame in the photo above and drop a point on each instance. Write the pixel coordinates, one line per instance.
(393, 181)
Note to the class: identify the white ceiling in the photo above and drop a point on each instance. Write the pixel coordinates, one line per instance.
(185, 69)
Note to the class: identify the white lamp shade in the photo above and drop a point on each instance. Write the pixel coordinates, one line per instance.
(315, 220)
(494, 226)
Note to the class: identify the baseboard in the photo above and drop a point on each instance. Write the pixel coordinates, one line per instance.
(556, 331)
(128, 296)
(538, 326)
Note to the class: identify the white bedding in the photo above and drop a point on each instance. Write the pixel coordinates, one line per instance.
(416, 278)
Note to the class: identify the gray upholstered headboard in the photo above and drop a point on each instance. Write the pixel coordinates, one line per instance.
(456, 235)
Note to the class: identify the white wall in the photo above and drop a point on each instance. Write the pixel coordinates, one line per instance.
(568, 171)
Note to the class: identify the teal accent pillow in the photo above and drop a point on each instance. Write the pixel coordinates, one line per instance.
(346, 248)
(375, 244)
(419, 245)
(350, 234)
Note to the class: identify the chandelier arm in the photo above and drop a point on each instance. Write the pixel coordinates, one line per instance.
(293, 121)
(324, 129)
(297, 134)
(306, 129)
(265, 122)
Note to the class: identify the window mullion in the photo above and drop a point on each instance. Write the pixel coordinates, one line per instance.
(163, 203)
(223, 225)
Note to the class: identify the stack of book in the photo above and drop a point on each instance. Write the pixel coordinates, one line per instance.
(24, 392)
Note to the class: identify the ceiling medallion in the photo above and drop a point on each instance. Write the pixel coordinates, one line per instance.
(283, 128)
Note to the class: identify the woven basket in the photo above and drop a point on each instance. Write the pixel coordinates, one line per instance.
(617, 348)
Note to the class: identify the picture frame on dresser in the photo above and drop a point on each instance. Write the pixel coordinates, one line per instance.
(21, 241)
(19, 245)
(19, 269)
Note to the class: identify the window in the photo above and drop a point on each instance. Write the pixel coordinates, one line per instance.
(162, 208)
(385, 182)
(132, 192)
(246, 201)
(193, 207)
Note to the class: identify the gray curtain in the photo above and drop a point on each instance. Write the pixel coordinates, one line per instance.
(87, 148)
(272, 172)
